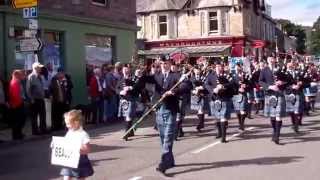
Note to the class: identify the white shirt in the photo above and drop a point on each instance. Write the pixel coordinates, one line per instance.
(78, 135)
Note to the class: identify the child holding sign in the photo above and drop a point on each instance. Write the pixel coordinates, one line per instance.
(75, 133)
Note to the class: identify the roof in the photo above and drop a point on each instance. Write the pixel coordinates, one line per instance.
(144, 6)
(198, 4)
(159, 5)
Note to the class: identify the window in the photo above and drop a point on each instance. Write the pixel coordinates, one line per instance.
(202, 22)
(213, 22)
(52, 49)
(224, 21)
(100, 2)
(163, 26)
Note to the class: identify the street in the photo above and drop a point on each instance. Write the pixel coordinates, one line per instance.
(247, 156)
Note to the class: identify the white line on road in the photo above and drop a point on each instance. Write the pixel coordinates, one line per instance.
(218, 142)
(136, 178)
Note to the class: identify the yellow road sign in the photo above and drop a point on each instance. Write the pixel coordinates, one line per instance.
(24, 3)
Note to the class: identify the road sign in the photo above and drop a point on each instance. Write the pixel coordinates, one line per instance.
(24, 3)
(33, 24)
(32, 44)
(31, 12)
(30, 33)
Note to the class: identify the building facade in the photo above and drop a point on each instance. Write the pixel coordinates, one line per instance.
(76, 35)
(205, 28)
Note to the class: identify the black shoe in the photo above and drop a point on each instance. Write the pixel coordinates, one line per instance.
(223, 140)
(162, 171)
(181, 134)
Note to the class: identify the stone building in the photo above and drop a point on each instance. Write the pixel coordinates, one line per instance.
(205, 28)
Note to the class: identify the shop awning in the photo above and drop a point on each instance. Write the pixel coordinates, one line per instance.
(193, 51)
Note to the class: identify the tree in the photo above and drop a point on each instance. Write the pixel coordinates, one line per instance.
(297, 31)
(315, 38)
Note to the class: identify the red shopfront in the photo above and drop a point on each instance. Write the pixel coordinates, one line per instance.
(196, 48)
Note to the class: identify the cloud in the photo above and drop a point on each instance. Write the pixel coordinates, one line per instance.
(304, 12)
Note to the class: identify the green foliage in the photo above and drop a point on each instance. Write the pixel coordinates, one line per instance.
(315, 38)
(297, 31)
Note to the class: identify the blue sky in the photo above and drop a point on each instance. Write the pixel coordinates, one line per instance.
(304, 12)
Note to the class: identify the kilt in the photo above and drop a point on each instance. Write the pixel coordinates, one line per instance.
(250, 96)
(240, 102)
(275, 106)
(221, 109)
(294, 103)
(127, 108)
(311, 91)
(258, 95)
(199, 103)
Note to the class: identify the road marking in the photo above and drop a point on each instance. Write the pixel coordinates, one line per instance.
(218, 142)
(136, 178)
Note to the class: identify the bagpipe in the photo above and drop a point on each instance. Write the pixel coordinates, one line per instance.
(159, 102)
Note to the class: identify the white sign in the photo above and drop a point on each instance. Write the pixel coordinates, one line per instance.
(31, 12)
(33, 24)
(30, 33)
(65, 153)
(32, 44)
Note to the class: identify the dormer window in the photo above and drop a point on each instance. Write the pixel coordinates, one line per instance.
(100, 2)
(163, 25)
(213, 22)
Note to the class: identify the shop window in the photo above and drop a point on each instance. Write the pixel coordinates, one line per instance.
(52, 49)
(23, 59)
(213, 22)
(99, 50)
(163, 25)
(100, 2)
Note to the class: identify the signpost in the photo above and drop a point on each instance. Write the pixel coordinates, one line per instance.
(33, 24)
(18, 4)
(32, 44)
(30, 12)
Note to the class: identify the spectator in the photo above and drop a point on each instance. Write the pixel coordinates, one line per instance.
(36, 93)
(69, 90)
(95, 92)
(60, 102)
(3, 106)
(111, 106)
(16, 104)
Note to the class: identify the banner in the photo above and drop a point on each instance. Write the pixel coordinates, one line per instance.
(65, 153)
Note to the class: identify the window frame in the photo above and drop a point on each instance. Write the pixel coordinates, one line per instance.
(161, 23)
(213, 19)
(100, 4)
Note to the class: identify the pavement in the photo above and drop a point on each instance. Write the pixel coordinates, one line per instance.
(248, 155)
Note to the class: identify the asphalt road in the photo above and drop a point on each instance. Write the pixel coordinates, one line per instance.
(247, 156)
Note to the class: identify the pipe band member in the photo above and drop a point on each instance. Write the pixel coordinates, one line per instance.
(276, 103)
(241, 100)
(184, 104)
(128, 99)
(294, 95)
(310, 91)
(166, 115)
(221, 103)
(198, 97)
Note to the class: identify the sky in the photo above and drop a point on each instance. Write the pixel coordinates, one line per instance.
(303, 12)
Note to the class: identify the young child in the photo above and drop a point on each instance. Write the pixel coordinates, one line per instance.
(75, 132)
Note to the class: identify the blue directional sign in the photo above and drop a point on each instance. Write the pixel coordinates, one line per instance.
(31, 12)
